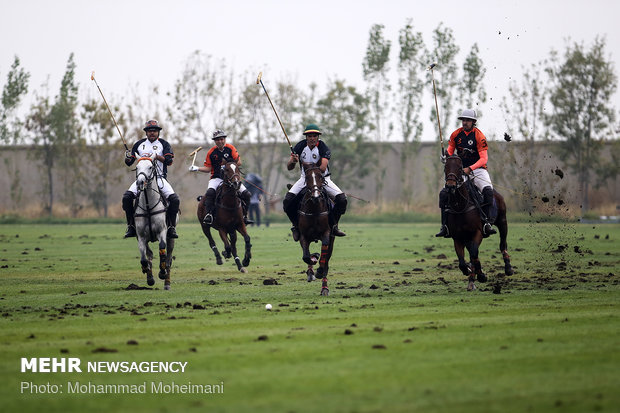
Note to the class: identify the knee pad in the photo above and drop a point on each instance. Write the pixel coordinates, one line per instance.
(341, 203)
(128, 198)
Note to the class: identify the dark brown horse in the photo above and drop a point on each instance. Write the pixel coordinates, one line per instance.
(465, 225)
(228, 217)
(314, 225)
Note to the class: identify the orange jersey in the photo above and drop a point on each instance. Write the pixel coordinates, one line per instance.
(215, 158)
(470, 146)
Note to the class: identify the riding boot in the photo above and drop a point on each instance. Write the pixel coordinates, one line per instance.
(443, 201)
(290, 207)
(340, 207)
(128, 207)
(171, 215)
(209, 203)
(245, 198)
(487, 195)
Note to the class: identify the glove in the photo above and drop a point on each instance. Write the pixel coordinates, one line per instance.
(193, 168)
(127, 154)
(442, 158)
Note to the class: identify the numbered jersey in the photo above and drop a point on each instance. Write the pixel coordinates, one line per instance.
(216, 158)
(468, 145)
(144, 147)
(307, 155)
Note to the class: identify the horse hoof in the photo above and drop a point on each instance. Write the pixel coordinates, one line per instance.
(509, 271)
(219, 261)
(243, 270)
(310, 275)
(162, 275)
(471, 286)
(245, 263)
(150, 280)
(482, 278)
(167, 287)
(325, 291)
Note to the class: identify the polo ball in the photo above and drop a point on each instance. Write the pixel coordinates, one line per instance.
(268, 307)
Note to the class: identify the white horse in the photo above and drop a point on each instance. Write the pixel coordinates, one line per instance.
(150, 219)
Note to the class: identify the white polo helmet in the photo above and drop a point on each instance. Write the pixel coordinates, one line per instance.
(468, 114)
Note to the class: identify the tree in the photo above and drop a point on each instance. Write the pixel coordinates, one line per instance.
(11, 127)
(202, 98)
(524, 112)
(409, 101)
(14, 90)
(342, 116)
(582, 85)
(472, 87)
(443, 52)
(103, 153)
(375, 69)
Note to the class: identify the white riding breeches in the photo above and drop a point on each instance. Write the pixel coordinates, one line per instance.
(164, 187)
(331, 188)
(481, 178)
(214, 183)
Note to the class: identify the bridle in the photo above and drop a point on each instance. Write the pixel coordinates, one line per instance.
(145, 187)
(314, 187)
(456, 177)
(234, 180)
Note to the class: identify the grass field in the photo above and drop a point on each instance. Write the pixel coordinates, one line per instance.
(398, 333)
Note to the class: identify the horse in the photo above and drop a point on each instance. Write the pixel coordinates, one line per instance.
(465, 225)
(314, 225)
(150, 221)
(228, 218)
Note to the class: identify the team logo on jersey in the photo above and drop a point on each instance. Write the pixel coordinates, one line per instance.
(314, 156)
(225, 155)
(154, 147)
(470, 142)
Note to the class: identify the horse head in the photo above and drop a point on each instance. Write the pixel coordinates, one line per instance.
(232, 175)
(145, 170)
(453, 171)
(314, 179)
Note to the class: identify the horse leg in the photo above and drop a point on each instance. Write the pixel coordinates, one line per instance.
(465, 268)
(233, 249)
(314, 258)
(207, 231)
(146, 255)
(326, 243)
(502, 224)
(224, 236)
(162, 258)
(473, 247)
(170, 244)
(247, 256)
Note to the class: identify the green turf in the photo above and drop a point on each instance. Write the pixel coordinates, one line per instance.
(398, 333)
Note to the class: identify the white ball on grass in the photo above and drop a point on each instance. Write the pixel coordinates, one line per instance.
(268, 307)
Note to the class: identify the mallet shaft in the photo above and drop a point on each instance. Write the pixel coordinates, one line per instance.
(92, 77)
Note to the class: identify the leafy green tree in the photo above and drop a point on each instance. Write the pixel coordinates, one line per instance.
(15, 89)
(409, 101)
(443, 51)
(104, 152)
(582, 84)
(342, 116)
(524, 113)
(11, 127)
(375, 69)
(472, 89)
(202, 98)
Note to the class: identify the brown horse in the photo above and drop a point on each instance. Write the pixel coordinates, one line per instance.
(228, 218)
(465, 225)
(314, 225)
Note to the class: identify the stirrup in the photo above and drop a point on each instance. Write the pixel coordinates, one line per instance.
(487, 229)
(247, 221)
(208, 219)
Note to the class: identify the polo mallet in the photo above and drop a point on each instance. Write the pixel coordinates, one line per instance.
(92, 77)
(436, 106)
(259, 80)
(194, 153)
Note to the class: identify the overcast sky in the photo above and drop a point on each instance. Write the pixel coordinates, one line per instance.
(147, 41)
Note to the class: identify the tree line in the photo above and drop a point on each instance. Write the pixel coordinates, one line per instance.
(565, 97)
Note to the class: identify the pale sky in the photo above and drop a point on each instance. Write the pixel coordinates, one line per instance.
(148, 41)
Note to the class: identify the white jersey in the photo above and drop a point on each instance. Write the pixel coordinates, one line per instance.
(144, 147)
